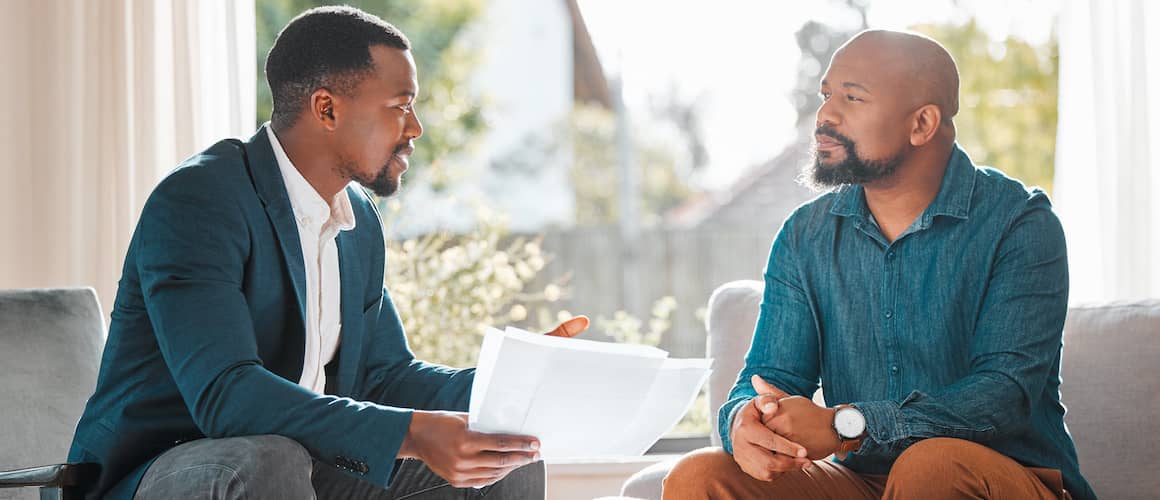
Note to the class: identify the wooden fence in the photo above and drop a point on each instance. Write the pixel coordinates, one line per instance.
(685, 264)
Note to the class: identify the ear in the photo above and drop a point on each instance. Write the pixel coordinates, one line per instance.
(322, 108)
(925, 123)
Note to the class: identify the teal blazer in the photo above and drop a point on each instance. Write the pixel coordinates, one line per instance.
(207, 338)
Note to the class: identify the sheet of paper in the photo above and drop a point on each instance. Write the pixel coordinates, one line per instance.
(580, 398)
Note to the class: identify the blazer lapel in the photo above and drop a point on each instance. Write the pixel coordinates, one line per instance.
(272, 191)
(353, 323)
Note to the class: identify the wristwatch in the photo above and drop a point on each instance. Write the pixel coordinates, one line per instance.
(850, 425)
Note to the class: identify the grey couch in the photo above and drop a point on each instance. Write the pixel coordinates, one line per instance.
(1111, 387)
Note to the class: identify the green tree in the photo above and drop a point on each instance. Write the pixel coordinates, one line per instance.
(444, 55)
(592, 131)
(1008, 96)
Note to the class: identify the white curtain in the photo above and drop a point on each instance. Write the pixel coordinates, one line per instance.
(102, 98)
(1107, 167)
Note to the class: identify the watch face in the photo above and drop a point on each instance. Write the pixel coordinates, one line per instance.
(849, 423)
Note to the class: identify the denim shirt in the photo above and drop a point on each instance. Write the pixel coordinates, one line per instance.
(954, 329)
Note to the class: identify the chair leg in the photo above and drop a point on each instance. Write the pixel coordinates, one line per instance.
(50, 493)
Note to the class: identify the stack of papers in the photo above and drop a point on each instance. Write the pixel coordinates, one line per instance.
(580, 398)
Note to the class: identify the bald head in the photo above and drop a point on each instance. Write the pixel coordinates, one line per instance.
(911, 62)
(888, 101)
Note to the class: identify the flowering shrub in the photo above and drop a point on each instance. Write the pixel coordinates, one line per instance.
(449, 288)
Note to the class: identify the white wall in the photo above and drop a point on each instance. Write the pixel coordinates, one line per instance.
(524, 76)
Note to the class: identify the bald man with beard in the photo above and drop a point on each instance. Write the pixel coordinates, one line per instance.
(925, 294)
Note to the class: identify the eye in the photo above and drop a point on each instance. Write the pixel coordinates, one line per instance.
(852, 98)
(406, 108)
(824, 95)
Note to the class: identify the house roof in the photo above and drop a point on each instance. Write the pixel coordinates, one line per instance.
(760, 199)
(588, 82)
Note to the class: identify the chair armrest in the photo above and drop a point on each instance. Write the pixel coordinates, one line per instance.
(58, 475)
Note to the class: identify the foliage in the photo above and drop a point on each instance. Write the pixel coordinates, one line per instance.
(439, 31)
(626, 328)
(448, 289)
(592, 131)
(1008, 97)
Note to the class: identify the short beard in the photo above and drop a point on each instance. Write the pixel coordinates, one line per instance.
(381, 184)
(851, 170)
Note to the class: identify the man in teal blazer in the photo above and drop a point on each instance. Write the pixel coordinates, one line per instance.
(207, 340)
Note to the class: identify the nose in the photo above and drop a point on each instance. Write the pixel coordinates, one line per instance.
(827, 115)
(414, 128)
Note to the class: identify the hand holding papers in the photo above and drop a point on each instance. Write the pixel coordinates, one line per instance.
(578, 397)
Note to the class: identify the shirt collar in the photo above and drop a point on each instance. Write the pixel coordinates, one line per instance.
(953, 199)
(309, 207)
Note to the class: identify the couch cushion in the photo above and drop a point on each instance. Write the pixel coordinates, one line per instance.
(1111, 388)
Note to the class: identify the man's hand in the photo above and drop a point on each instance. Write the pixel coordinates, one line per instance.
(570, 328)
(800, 420)
(760, 452)
(461, 456)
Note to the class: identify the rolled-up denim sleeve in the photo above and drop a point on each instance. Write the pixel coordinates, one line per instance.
(1016, 341)
(784, 351)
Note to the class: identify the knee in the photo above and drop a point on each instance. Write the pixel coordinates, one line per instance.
(935, 468)
(252, 467)
(695, 472)
(936, 455)
(272, 459)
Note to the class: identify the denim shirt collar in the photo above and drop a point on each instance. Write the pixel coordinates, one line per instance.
(953, 199)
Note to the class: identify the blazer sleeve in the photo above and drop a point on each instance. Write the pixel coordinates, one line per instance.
(396, 378)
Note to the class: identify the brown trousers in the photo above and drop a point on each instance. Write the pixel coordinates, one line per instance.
(937, 468)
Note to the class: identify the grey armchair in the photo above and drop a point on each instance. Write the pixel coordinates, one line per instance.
(50, 350)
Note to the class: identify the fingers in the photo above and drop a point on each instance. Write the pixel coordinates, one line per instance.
(764, 465)
(782, 463)
(766, 405)
(492, 460)
(480, 476)
(570, 328)
(763, 387)
(765, 438)
(505, 442)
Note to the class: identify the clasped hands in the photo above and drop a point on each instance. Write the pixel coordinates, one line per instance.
(776, 432)
(466, 458)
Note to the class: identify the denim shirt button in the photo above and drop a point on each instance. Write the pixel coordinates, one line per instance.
(893, 368)
(890, 255)
(889, 314)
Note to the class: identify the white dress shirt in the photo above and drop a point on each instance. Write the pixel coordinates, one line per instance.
(318, 224)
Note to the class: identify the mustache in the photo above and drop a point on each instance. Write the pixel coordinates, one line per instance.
(833, 134)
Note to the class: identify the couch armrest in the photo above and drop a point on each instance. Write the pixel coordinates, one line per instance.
(732, 314)
(77, 475)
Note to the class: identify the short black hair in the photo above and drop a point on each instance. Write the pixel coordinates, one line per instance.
(324, 47)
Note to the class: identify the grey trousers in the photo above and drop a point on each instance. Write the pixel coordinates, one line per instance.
(276, 467)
